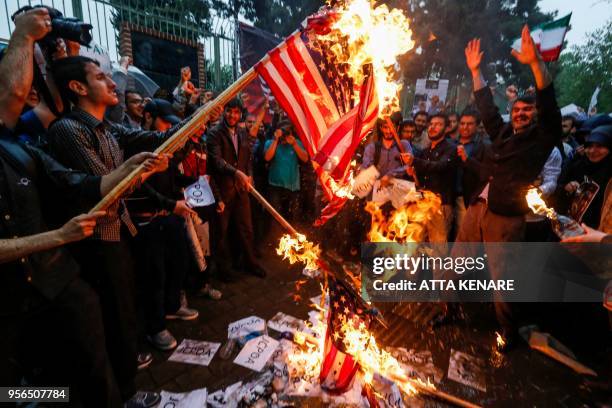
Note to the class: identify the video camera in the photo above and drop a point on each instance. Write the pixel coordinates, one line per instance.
(68, 28)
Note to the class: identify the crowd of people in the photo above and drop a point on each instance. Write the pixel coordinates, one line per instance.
(93, 286)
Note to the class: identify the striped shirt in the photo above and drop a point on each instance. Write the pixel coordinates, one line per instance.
(82, 142)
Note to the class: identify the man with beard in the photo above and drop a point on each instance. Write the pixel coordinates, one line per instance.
(384, 154)
(420, 141)
(515, 158)
(230, 158)
(436, 168)
(452, 130)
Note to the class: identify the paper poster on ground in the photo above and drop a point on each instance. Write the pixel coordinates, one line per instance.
(195, 352)
(256, 352)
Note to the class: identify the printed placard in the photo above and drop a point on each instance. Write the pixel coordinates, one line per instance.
(245, 326)
(195, 352)
(195, 398)
(285, 323)
(256, 352)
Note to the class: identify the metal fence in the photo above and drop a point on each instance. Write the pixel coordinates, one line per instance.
(218, 37)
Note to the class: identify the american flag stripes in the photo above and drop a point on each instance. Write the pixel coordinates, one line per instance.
(338, 367)
(318, 96)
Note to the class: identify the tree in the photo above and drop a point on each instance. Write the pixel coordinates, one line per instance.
(281, 17)
(443, 28)
(584, 68)
(184, 18)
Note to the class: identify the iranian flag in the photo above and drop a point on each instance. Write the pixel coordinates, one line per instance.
(548, 37)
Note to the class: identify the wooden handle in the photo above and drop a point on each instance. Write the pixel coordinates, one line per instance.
(177, 140)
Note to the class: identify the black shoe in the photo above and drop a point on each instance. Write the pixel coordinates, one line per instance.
(143, 399)
(143, 360)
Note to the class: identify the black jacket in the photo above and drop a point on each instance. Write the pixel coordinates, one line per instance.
(224, 162)
(33, 186)
(513, 161)
(436, 169)
(471, 184)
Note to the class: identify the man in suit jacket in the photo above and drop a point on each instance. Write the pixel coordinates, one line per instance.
(229, 152)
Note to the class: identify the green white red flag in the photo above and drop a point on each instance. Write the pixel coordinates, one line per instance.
(548, 37)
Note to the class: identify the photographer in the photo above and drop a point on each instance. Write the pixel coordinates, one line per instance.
(283, 153)
(43, 297)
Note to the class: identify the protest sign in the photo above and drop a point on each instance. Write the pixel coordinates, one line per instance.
(195, 352)
(256, 352)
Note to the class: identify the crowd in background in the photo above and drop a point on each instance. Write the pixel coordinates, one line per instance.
(95, 286)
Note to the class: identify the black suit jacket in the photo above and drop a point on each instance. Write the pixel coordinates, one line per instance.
(513, 161)
(224, 161)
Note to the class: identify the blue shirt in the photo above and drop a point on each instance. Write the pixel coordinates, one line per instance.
(389, 162)
(284, 168)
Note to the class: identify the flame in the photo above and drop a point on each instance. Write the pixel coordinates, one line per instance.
(406, 224)
(366, 30)
(298, 249)
(537, 204)
(306, 360)
(499, 340)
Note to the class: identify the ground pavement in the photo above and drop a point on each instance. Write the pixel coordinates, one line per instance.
(524, 377)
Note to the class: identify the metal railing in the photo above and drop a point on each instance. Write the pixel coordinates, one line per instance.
(217, 36)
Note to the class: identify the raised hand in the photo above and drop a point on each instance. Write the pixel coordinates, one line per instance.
(473, 55)
(33, 24)
(529, 53)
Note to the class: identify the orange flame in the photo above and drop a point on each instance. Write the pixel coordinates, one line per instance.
(406, 224)
(366, 30)
(298, 249)
(537, 205)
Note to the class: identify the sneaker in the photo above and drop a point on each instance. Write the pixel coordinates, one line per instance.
(164, 340)
(184, 313)
(143, 360)
(143, 399)
(208, 291)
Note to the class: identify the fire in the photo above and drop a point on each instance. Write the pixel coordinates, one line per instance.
(366, 30)
(406, 224)
(537, 204)
(500, 340)
(298, 249)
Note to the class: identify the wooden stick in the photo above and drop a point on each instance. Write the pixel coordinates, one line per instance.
(282, 221)
(400, 147)
(178, 139)
(430, 390)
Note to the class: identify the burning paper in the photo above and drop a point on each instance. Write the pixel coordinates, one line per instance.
(364, 181)
(399, 192)
(256, 352)
(195, 352)
(193, 399)
(244, 327)
(285, 323)
(467, 369)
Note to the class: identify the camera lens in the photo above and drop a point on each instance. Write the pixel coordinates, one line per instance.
(72, 30)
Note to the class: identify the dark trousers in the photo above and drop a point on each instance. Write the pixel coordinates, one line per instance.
(162, 258)
(284, 201)
(237, 210)
(481, 225)
(64, 337)
(107, 267)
